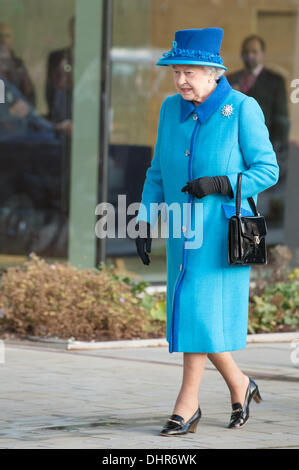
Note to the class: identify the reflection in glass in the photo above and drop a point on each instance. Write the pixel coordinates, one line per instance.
(35, 128)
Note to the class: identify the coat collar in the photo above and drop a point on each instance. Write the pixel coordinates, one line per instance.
(209, 105)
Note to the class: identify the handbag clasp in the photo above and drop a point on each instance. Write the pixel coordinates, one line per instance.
(256, 239)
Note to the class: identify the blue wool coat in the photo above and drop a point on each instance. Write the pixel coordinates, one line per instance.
(207, 299)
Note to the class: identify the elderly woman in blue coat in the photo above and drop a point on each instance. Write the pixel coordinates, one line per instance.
(207, 134)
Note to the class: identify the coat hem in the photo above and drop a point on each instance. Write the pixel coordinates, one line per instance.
(211, 352)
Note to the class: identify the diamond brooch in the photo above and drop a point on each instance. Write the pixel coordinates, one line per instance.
(227, 110)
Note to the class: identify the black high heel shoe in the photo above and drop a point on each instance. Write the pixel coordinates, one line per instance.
(176, 424)
(240, 414)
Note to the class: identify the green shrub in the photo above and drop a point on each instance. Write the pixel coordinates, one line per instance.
(277, 309)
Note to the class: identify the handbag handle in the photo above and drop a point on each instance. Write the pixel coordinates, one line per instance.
(238, 199)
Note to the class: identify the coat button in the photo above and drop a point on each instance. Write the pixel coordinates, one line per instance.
(195, 117)
(184, 229)
(181, 267)
(187, 153)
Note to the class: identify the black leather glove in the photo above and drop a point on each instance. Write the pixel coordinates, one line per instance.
(143, 242)
(206, 185)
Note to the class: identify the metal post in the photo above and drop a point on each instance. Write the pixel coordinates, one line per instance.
(105, 116)
(85, 137)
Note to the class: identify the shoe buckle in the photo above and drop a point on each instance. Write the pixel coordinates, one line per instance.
(179, 422)
(237, 411)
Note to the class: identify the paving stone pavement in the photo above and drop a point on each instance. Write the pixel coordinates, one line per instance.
(119, 399)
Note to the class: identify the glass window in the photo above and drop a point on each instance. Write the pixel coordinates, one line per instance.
(135, 101)
(36, 67)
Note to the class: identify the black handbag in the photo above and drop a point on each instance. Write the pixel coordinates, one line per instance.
(246, 234)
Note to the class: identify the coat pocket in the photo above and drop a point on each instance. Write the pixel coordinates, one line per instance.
(229, 211)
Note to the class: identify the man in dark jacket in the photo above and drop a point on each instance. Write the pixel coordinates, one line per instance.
(59, 85)
(268, 88)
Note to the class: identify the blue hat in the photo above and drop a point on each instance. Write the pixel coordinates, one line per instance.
(195, 46)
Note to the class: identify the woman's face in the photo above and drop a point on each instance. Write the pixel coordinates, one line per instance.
(193, 82)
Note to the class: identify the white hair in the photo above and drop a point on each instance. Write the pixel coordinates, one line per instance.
(210, 69)
(216, 70)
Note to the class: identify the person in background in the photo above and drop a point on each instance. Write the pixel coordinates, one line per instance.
(59, 84)
(12, 68)
(269, 89)
(20, 120)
